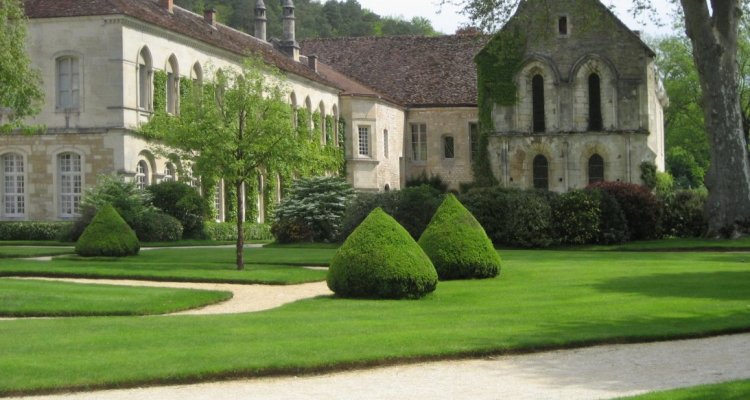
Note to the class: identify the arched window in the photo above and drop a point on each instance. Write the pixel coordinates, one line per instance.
(71, 183)
(541, 172)
(596, 169)
(595, 103)
(14, 204)
(537, 95)
(141, 175)
(197, 74)
(170, 173)
(308, 107)
(145, 79)
(68, 83)
(173, 85)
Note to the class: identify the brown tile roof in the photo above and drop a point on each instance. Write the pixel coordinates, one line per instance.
(349, 86)
(180, 21)
(414, 70)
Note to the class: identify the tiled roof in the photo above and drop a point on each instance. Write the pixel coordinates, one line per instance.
(415, 71)
(181, 21)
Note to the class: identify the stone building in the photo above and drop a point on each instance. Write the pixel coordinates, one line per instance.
(409, 103)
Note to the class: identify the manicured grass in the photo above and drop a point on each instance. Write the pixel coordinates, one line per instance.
(542, 300)
(33, 251)
(187, 265)
(28, 298)
(687, 244)
(738, 390)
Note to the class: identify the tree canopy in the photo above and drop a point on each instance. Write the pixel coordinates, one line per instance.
(20, 92)
(314, 19)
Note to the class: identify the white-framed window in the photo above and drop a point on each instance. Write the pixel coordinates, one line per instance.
(170, 173)
(385, 143)
(14, 199)
(364, 140)
(141, 175)
(419, 142)
(145, 80)
(449, 149)
(68, 83)
(71, 183)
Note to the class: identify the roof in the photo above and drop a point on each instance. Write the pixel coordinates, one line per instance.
(180, 21)
(415, 71)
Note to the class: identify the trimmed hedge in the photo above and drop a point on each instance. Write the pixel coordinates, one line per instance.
(227, 231)
(458, 245)
(381, 260)
(641, 208)
(31, 230)
(107, 235)
(512, 217)
(184, 203)
(156, 226)
(576, 215)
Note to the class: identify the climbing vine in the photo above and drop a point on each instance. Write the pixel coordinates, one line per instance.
(497, 66)
(160, 92)
(317, 130)
(330, 130)
(303, 123)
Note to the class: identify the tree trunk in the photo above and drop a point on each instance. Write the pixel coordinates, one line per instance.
(240, 225)
(714, 39)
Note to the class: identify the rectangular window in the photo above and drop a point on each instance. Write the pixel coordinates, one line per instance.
(364, 140)
(419, 142)
(448, 147)
(68, 83)
(562, 26)
(71, 187)
(144, 82)
(474, 140)
(13, 189)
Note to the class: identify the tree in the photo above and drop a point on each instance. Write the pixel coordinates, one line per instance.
(713, 33)
(20, 93)
(236, 128)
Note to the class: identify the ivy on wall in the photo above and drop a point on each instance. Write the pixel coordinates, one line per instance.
(160, 91)
(329, 130)
(317, 130)
(497, 66)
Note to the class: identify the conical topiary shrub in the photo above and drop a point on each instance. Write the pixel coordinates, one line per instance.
(381, 260)
(457, 244)
(107, 235)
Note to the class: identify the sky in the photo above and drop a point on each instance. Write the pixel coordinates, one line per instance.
(449, 18)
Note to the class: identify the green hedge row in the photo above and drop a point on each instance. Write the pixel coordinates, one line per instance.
(227, 231)
(32, 230)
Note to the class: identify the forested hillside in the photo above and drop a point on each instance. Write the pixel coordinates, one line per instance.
(314, 19)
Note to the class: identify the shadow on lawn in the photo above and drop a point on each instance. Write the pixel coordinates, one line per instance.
(720, 285)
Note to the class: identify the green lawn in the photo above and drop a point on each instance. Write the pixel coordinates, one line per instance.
(738, 390)
(542, 300)
(26, 298)
(268, 266)
(681, 244)
(33, 251)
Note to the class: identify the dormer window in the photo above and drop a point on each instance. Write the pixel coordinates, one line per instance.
(562, 26)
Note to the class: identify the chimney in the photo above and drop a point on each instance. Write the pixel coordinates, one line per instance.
(167, 4)
(260, 20)
(312, 62)
(289, 43)
(209, 15)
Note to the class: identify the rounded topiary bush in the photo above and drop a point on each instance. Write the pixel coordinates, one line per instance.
(457, 244)
(107, 235)
(381, 260)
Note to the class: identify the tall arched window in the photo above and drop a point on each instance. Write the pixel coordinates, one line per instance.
(173, 85)
(595, 103)
(596, 169)
(14, 204)
(541, 172)
(308, 107)
(537, 95)
(145, 79)
(197, 74)
(68, 83)
(71, 183)
(141, 175)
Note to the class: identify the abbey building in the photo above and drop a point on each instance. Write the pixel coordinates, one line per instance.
(588, 103)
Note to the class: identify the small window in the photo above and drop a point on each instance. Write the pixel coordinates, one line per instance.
(170, 173)
(68, 83)
(541, 172)
(141, 175)
(13, 186)
(448, 147)
(419, 142)
(596, 169)
(364, 140)
(537, 97)
(562, 26)
(385, 143)
(474, 140)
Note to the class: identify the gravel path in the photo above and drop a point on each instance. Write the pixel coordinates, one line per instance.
(246, 298)
(601, 372)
